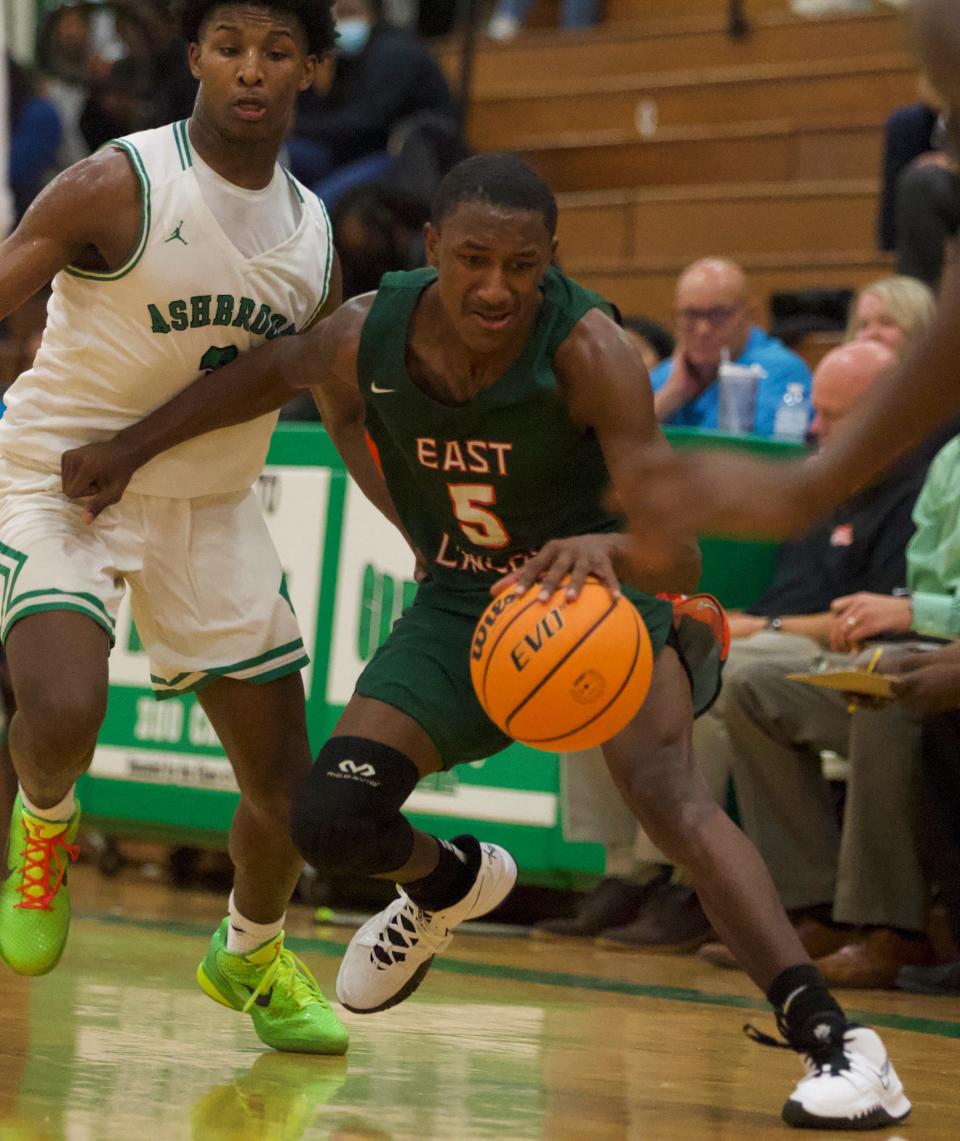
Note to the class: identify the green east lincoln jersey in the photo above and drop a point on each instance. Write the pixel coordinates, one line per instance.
(482, 486)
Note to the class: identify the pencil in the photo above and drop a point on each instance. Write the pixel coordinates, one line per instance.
(874, 658)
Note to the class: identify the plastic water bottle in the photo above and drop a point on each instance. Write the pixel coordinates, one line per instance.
(792, 416)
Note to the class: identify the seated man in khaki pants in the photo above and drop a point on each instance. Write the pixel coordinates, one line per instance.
(860, 888)
(641, 904)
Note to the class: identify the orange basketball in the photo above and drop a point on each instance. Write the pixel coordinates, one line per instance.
(561, 675)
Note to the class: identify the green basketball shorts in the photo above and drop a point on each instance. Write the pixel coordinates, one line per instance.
(423, 668)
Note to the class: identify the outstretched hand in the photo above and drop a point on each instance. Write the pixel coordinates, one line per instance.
(711, 491)
(96, 475)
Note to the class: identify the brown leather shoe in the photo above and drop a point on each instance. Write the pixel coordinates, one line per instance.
(612, 902)
(720, 955)
(876, 961)
(817, 938)
(671, 920)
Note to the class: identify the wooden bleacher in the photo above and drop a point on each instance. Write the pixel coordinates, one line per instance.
(732, 219)
(666, 140)
(770, 151)
(867, 86)
(650, 45)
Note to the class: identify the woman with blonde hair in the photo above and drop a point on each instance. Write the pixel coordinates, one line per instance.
(893, 310)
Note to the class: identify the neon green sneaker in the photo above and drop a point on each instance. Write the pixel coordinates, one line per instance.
(270, 984)
(34, 902)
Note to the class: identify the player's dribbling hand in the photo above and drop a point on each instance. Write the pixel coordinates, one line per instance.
(578, 557)
(96, 475)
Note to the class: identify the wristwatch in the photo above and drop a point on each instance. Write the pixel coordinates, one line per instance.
(774, 624)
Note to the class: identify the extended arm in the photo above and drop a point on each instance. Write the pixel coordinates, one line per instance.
(257, 382)
(815, 626)
(342, 409)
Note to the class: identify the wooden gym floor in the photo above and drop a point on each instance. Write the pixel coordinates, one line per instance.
(508, 1038)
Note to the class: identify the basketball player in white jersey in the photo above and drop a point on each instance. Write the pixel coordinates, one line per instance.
(172, 251)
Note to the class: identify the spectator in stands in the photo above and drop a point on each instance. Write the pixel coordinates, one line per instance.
(173, 87)
(893, 311)
(907, 137)
(68, 63)
(436, 18)
(927, 215)
(383, 77)
(35, 135)
(118, 104)
(509, 16)
(654, 342)
(714, 318)
(379, 229)
(869, 870)
(920, 189)
(929, 686)
(859, 547)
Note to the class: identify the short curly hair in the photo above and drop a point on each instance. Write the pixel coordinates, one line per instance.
(315, 16)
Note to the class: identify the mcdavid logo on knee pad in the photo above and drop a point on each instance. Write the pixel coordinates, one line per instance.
(351, 770)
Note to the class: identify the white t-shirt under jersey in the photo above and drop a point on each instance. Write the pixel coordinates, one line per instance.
(254, 220)
(188, 299)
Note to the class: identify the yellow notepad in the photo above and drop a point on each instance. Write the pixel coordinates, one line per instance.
(849, 681)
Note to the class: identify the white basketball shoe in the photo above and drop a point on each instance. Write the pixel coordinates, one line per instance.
(848, 1086)
(391, 953)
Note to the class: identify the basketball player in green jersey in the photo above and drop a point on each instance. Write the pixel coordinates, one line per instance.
(728, 493)
(172, 251)
(501, 398)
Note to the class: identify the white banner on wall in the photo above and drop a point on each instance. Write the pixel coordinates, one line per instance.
(374, 576)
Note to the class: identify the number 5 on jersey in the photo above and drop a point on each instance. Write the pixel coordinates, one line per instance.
(480, 526)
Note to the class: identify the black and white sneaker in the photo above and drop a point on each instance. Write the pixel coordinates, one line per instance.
(391, 953)
(849, 1084)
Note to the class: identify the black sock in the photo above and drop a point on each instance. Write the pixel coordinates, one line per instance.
(808, 1015)
(454, 875)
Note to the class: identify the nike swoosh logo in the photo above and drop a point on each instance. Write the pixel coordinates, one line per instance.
(261, 999)
(374, 387)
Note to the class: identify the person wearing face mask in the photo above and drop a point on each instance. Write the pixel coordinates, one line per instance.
(382, 77)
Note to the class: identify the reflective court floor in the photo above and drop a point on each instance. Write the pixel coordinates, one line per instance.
(508, 1038)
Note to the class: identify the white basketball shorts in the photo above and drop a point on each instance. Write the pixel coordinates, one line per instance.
(206, 586)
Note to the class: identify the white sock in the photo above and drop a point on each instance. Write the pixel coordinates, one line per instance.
(244, 936)
(57, 813)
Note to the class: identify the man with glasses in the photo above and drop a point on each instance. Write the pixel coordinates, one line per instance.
(715, 321)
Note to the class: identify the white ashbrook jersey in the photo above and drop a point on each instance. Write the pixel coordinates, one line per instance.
(119, 344)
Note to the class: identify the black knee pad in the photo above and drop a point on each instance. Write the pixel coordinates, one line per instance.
(346, 814)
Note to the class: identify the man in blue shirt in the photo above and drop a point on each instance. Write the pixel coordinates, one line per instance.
(714, 318)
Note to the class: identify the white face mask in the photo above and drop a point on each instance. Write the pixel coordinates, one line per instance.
(352, 36)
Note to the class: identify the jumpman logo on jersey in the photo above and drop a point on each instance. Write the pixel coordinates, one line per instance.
(176, 236)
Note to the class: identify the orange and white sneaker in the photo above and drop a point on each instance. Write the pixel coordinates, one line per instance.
(34, 902)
